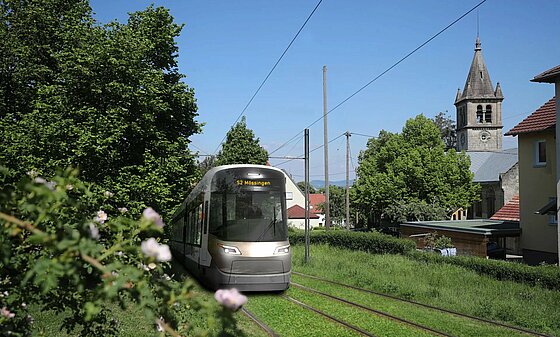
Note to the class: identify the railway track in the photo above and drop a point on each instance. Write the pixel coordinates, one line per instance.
(332, 318)
(373, 311)
(260, 323)
(454, 313)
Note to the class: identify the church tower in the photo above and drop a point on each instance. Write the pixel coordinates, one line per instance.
(479, 109)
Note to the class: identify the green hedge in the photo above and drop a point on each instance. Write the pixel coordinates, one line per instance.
(544, 276)
(371, 242)
(377, 243)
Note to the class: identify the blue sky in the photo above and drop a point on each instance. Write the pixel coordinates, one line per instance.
(228, 47)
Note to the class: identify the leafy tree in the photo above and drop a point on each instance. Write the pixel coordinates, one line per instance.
(241, 147)
(447, 129)
(337, 203)
(301, 186)
(106, 99)
(412, 168)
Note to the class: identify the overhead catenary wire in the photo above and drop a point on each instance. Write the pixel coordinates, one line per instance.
(271, 70)
(386, 71)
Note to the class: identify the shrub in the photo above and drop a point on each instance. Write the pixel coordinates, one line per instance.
(544, 276)
(371, 242)
(68, 249)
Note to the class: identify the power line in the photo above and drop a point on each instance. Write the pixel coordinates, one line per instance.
(388, 69)
(199, 149)
(361, 134)
(271, 70)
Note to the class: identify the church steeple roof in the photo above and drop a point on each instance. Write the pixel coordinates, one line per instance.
(478, 83)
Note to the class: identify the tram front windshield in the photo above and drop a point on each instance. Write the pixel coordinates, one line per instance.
(248, 213)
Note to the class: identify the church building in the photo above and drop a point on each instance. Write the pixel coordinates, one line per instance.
(479, 134)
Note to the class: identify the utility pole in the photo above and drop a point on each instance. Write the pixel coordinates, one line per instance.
(347, 180)
(326, 146)
(306, 174)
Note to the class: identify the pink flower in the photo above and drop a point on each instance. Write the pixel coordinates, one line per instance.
(101, 217)
(230, 298)
(151, 215)
(6, 313)
(152, 248)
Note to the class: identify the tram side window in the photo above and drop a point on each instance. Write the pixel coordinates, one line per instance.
(197, 238)
(193, 226)
(187, 226)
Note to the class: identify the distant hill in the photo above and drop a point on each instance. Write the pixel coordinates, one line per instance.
(321, 183)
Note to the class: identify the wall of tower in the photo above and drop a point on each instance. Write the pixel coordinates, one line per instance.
(479, 125)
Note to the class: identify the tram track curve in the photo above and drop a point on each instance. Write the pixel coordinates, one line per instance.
(451, 312)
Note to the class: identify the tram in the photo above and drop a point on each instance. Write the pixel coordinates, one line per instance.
(232, 232)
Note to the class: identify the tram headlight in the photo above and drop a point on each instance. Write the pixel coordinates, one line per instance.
(230, 250)
(282, 250)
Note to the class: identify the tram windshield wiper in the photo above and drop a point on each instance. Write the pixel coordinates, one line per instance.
(271, 224)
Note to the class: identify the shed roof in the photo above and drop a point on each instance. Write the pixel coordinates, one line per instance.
(477, 227)
(543, 118)
(509, 212)
(487, 166)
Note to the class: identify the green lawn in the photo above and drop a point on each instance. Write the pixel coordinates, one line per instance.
(441, 285)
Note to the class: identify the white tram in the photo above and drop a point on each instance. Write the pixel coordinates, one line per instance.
(232, 230)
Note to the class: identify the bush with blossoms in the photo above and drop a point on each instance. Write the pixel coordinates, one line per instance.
(66, 247)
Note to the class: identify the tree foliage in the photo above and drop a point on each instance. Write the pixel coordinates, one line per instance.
(241, 147)
(106, 99)
(301, 186)
(447, 129)
(412, 168)
(337, 204)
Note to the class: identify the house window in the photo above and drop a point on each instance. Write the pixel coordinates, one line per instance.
(540, 153)
(289, 195)
(488, 114)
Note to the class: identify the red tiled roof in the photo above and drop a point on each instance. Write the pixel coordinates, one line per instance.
(298, 212)
(548, 76)
(315, 200)
(510, 211)
(543, 118)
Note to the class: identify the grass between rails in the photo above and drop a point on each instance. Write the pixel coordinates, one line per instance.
(439, 321)
(290, 320)
(376, 325)
(445, 286)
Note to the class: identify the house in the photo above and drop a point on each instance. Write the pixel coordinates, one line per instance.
(479, 134)
(316, 202)
(536, 138)
(295, 203)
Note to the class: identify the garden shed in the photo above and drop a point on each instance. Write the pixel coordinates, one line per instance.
(480, 237)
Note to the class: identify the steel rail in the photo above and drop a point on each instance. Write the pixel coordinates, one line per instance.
(478, 319)
(377, 312)
(260, 323)
(332, 318)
